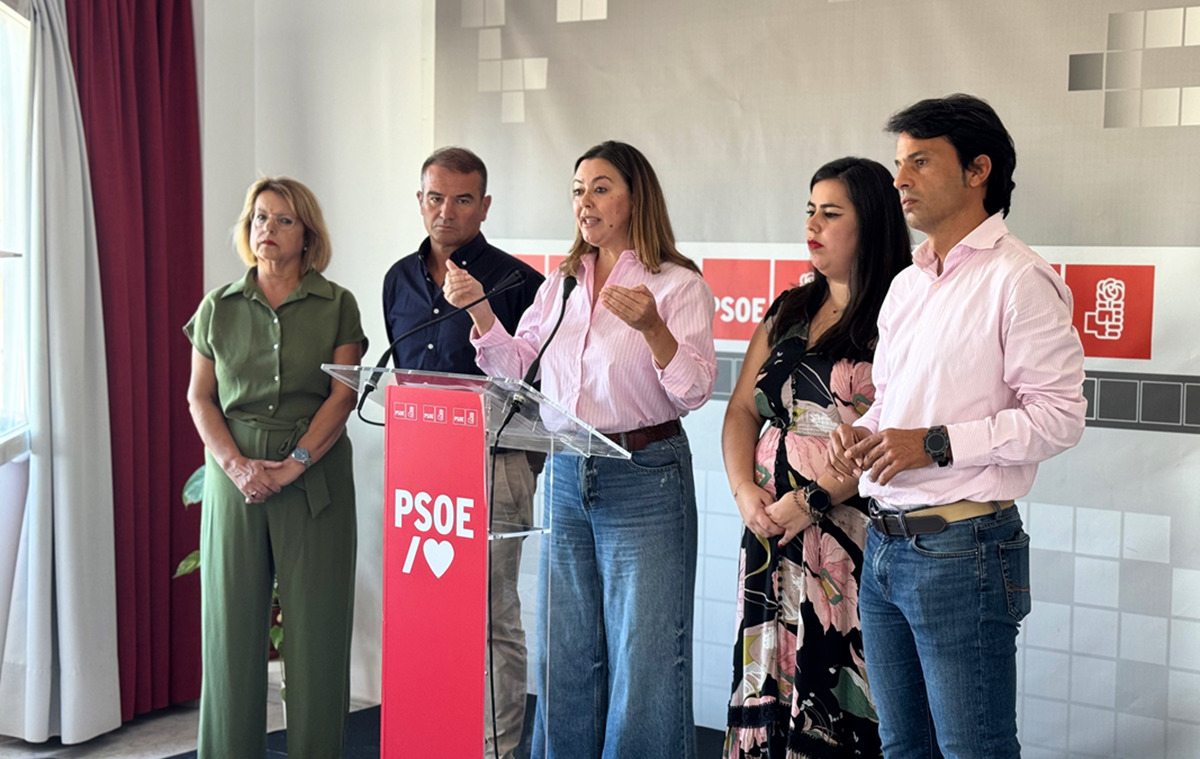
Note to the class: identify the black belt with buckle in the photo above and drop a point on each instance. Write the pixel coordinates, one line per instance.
(903, 525)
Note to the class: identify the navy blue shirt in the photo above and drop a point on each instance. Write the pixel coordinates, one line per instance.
(410, 298)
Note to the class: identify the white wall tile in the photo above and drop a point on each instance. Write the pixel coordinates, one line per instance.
(489, 44)
(1183, 695)
(1048, 626)
(719, 620)
(1097, 581)
(1093, 681)
(720, 579)
(1144, 638)
(1047, 674)
(1051, 526)
(472, 13)
(1141, 737)
(1094, 631)
(1164, 28)
(1183, 739)
(712, 707)
(1098, 532)
(1148, 537)
(1189, 108)
(493, 12)
(569, 10)
(720, 501)
(1185, 645)
(489, 76)
(1191, 34)
(535, 74)
(718, 664)
(1043, 724)
(1092, 731)
(514, 74)
(512, 107)
(595, 10)
(1185, 593)
(723, 536)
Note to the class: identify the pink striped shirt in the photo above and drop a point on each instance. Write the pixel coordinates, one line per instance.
(986, 349)
(598, 367)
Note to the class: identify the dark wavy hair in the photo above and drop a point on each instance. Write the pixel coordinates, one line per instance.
(974, 129)
(884, 249)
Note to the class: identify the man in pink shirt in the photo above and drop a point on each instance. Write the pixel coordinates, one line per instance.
(978, 376)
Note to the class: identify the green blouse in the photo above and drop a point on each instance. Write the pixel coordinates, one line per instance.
(268, 361)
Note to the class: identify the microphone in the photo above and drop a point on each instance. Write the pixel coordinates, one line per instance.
(515, 278)
(569, 284)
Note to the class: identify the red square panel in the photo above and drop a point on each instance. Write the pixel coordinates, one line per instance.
(789, 273)
(1114, 309)
(554, 263)
(742, 290)
(536, 260)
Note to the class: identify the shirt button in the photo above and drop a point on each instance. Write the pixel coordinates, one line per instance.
(276, 377)
(430, 346)
(276, 319)
(271, 408)
(276, 347)
(436, 311)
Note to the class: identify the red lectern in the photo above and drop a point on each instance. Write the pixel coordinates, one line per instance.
(438, 431)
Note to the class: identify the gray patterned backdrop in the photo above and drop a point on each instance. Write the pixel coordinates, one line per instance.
(737, 103)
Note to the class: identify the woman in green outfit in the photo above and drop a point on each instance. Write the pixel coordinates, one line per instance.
(279, 487)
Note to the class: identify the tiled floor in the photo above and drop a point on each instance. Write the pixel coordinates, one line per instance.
(162, 733)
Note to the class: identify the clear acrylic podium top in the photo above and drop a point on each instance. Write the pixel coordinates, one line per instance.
(539, 424)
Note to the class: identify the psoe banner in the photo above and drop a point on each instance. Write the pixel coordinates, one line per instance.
(435, 536)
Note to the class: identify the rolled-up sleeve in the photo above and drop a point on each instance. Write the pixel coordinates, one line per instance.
(500, 354)
(691, 375)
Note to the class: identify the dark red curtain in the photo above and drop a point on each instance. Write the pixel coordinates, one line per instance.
(135, 66)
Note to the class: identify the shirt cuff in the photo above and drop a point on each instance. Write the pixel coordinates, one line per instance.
(969, 444)
(497, 335)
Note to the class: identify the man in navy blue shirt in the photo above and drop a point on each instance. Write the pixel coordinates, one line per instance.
(454, 202)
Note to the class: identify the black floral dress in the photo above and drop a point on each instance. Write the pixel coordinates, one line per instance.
(800, 685)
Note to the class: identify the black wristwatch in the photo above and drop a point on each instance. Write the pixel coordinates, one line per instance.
(937, 445)
(817, 498)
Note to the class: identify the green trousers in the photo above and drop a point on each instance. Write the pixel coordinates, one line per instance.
(307, 542)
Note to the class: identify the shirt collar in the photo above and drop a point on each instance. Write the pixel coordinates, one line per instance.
(983, 237)
(313, 283)
(464, 256)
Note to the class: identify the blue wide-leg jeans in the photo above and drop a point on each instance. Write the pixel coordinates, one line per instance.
(615, 658)
(940, 615)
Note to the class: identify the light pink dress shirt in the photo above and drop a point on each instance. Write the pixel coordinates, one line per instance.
(986, 349)
(598, 367)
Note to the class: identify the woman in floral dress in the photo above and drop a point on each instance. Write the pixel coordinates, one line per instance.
(800, 686)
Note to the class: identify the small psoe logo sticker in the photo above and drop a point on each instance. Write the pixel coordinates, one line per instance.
(435, 414)
(806, 278)
(405, 411)
(1107, 322)
(465, 417)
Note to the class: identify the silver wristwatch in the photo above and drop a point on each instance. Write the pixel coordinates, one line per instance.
(303, 456)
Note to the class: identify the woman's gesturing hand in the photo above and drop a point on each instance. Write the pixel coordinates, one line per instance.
(636, 307)
(752, 502)
(460, 288)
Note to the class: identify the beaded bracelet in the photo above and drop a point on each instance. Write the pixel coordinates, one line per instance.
(813, 516)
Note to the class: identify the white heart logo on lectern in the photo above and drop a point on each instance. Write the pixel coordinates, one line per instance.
(438, 555)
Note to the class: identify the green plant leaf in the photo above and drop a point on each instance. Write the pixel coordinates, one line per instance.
(190, 564)
(277, 638)
(193, 489)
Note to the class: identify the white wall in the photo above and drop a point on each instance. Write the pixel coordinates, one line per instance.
(339, 96)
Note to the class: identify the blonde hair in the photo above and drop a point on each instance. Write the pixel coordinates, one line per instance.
(318, 250)
(649, 226)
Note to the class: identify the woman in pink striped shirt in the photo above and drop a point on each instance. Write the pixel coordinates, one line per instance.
(634, 353)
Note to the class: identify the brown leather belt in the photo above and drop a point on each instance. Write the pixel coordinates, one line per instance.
(636, 440)
(926, 520)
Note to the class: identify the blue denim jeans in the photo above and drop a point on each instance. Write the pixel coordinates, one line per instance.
(619, 578)
(940, 615)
